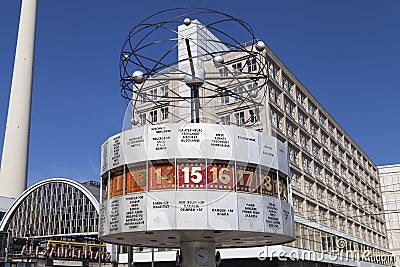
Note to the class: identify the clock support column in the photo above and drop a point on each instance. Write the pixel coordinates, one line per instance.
(194, 254)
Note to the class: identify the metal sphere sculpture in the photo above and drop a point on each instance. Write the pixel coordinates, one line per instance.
(188, 182)
(195, 53)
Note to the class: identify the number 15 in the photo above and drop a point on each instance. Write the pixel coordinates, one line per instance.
(188, 175)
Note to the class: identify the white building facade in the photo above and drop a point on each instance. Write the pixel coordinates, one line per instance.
(390, 186)
(335, 186)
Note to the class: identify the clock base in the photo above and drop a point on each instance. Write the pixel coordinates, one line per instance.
(196, 254)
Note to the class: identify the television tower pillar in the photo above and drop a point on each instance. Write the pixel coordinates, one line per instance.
(14, 165)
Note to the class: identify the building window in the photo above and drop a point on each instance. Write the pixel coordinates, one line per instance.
(292, 110)
(312, 109)
(314, 130)
(289, 130)
(289, 108)
(153, 116)
(302, 119)
(153, 94)
(143, 97)
(333, 148)
(320, 194)
(164, 91)
(294, 133)
(293, 155)
(273, 118)
(254, 115)
(346, 144)
(272, 70)
(225, 120)
(224, 97)
(330, 201)
(253, 87)
(337, 185)
(276, 120)
(339, 137)
(296, 180)
(238, 93)
(308, 188)
(239, 118)
(223, 71)
(343, 171)
(304, 142)
(347, 208)
(311, 211)
(286, 84)
(322, 119)
(142, 118)
(274, 95)
(322, 215)
(298, 205)
(164, 113)
(324, 139)
(352, 195)
(237, 68)
(306, 164)
(342, 224)
(326, 159)
(335, 166)
(301, 99)
(329, 179)
(316, 151)
(331, 129)
(251, 65)
(358, 158)
(317, 170)
(279, 122)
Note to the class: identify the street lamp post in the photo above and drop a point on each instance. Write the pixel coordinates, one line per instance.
(8, 244)
(30, 243)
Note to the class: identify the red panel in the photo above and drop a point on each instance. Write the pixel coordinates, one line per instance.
(192, 177)
(162, 177)
(136, 181)
(268, 184)
(283, 191)
(247, 180)
(117, 184)
(220, 177)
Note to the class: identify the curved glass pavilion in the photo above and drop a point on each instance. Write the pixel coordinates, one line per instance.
(53, 209)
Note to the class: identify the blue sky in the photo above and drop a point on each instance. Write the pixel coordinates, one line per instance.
(345, 52)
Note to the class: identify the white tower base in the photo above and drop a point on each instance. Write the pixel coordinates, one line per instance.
(14, 165)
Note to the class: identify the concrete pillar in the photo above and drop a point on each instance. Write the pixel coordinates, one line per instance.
(196, 254)
(14, 165)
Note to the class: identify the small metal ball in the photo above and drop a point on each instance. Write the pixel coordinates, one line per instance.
(134, 121)
(260, 46)
(187, 21)
(253, 93)
(138, 77)
(197, 79)
(218, 61)
(126, 57)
